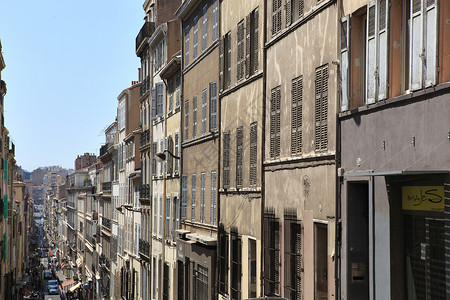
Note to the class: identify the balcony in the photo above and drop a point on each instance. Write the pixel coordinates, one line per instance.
(145, 138)
(104, 149)
(146, 31)
(144, 191)
(145, 86)
(144, 247)
(106, 186)
(106, 223)
(104, 262)
(91, 239)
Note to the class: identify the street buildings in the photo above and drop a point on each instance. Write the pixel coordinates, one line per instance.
(394, 173)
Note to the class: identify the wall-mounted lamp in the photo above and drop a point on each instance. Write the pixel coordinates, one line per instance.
(161, 156)
(127, 207)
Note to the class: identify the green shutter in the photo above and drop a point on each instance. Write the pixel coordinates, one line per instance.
(5, 206)
(5, 167)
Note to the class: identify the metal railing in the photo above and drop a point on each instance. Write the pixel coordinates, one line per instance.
(106, 223)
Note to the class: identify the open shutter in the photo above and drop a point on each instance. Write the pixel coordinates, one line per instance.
(153, 103)
(248, 47)
(383, 48)
(288, 12)
(431, 37)
(221, 64)
(177, 153)
(228, 44)
(255, 39)
(345, 60)
(416, 54)
(169, 157)
(371, 55)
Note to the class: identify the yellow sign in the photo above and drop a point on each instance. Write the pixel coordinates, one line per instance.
(425, 198)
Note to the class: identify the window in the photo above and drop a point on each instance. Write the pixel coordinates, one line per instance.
(201, 283)
(239, 155)
(202, 197)
(320, 260)
(252, 268)
(184, 179)
(215, 21)
(171, 87)
(193, 186)
(276, 16)
(177, 90)
(161, 205)
(204, 112)
(160, 99)
(155, 215)
(154, 107)
(177, 152)
(167, 225)
(186, 45)
(175, 217)
(344, 63)
(271, 255)
(253, 153)
(159, 56)
(321, 108)
(296, 128)
(213, 106)
(294, 11)
(205, 27)
(252, 43)
(194, 117)
(166, 282)
(213, 197)
(225, 62)
(293, 260)
(186, 120)
(161, 164)
(169, 158)
(223, 260)
(226, 160)
(240, 50)
(236, 262)
(194, 55)
(154, 150)
(275, 122)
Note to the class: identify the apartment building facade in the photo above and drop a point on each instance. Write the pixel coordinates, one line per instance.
(394, 172)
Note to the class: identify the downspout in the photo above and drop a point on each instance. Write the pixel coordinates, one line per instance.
(219, 127)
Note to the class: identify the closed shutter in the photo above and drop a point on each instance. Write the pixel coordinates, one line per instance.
(239, 155)
(321, 108)
(276, 252)
(226, 160)
(160, 99)
(248, 48)
(253, 153)
(296, 122)
(177, 94)
(205, 27)
(431, 38)
(266, 268)
(166, 161)
(301, 7)
(298, 263)
(275, 122)
(288, 12)
(186, 45)
(371, 55)
(383, 49)
(204, 112)
(193, 197)
(194, 54)
(345, 60)
(240, 51)
(228, 61)
(276, 16)
(171, 92)
(287, 258)
(184, 180)
(255, 40)
(194, 117)
(221, 64)
(416, 54)
(153, 103)
(169, 157)
(186, 120)
(177, 152)
(213, 197)
(202, 197)
(154, 150)
(213, 106)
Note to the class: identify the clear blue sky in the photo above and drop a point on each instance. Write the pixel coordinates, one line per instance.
(66, 63)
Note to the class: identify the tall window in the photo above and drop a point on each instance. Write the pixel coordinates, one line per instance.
(275, 104)
(252, 283)
(202, 196)
(239, 155)
(177, 90)
(223, 260)
(271, 255)
(171, 88)
(154, 150)
(294, 11)
(204, 112)
(321, 108)
(213, 197)
(177, 152)
(166, 281)
(201, 283)
(194, 55)
(236, 263)
(194, 117)
(175, 217)
(193, 197)
(226, 160)
(160, 99)
(161, 206)
(276, 16)
(253, 153)
(213, 106)
(320, 260)
(225, 61)
(252, 43)
(296, 120)
(186, 45)
(215, 20)
(240, 50)
(184, 191)
(155, 214)
(186, 120)
(205, 27)
(293, 260)
(167, 224)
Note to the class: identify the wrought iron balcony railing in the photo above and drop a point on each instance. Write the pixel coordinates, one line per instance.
(144, 247)
(146, 31)
(106, 223)
(106, 186)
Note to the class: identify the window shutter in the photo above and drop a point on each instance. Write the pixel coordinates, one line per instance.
(431, 37)
(177, 97)
(204, 112)
(186, 45)
(288, 12)
(275, 122)
(253, 153)
(194, 54)
(276, 16)
(255, 39)
(301, 6)
(160, 99)
(184, 196)
(287, 257)
(213, 197)
(239, 155)
(202, 197)
(226, 160)
(416, 54)
(213, 106)
(205, 27)
(248, 47)
(240, 51)
(344, 64)
(383, 48)
(153, 103)
(296, 123)
(298, 264)
(171, 92)
(194, 117)
(321, 108)
(169, 157)
(193, 197)
(228, 44)
(177, 152)
(221, 64)
(186, 120)
(276, 251)
(371, 56)
(267, 266)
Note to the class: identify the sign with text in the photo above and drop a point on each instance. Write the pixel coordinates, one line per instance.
(425, 198)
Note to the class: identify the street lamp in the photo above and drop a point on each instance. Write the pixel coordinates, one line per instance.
(127, 207)
(161, 156)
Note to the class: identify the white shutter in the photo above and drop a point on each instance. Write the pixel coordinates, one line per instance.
(416, 46)
(431, 37)
(383, 48)
(371, 55)
(345, 59)
(153, 103)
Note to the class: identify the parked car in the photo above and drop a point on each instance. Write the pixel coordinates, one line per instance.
(47, 275)
(53, 290)
(52, 282)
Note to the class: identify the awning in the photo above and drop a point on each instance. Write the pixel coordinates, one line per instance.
(68, 282)
(75, 287)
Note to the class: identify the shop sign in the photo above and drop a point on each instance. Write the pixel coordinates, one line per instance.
(424, 198)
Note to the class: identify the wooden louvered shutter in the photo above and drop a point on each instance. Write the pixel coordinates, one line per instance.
(296, 122)
(288, 12)
(221, 64)
(298, 260)
(248, 48)
(186, 120)
(204, 112)
(228, 54)
(321, 108)
(276, 250)
(253, 153)
(169, 157)
(275, 122)
(267, 256)
(383, 49)
(416, 45)
(345, 62)
(240, 51)
(371, 55)
(287, 258)
(177, 147)
(301, 7)
(431, 38)
(276, 16)
(239, 155)
(226, 160)
(153, 103)
(255, 39)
